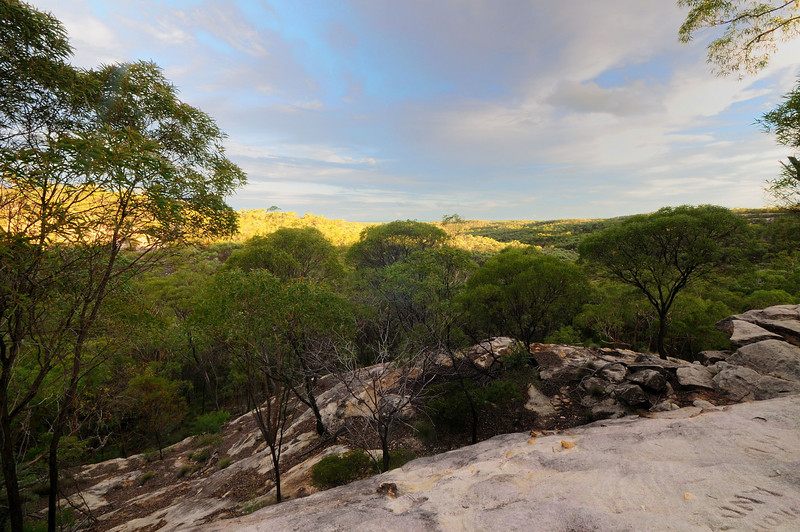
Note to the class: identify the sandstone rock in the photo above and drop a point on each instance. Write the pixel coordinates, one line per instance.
(608, 408)
(664, 406)
(649, 378)
(539, 402)
(770, 357)
(710, 358)
(744, 384)
(715, 471)
(744, 333)
(695, 375)
(630, 394)
(614, 372)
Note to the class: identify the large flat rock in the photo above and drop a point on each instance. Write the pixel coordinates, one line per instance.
(737, 469)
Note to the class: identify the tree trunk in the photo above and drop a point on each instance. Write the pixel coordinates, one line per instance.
(277, 470)
(662, 332)
(10, 471)
(385, 449)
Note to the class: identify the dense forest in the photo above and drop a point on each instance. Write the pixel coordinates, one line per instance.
(137, 308)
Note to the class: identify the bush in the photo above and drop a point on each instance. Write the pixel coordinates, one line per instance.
(500, 392)
(518, 358)
(225, 462)
(449, 407)
(200, 456)
(207, 440)
(145, 477)
(210, 423)
(339, 470)
(425, 431)
(400, 457)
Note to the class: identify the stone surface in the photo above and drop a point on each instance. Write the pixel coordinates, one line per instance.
(770, 357)
(744, 384)
(745, 333)
(630, 394)
(649, 378)
(695, 375)
(539, 402)
(730, 470)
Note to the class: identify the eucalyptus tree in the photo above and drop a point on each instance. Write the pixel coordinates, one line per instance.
(661, 253)
(93, 162)
(522, 294)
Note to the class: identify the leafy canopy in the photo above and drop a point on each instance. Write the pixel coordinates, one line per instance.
(751, 30)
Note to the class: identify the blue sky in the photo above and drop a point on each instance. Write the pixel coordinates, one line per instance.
(373, 110)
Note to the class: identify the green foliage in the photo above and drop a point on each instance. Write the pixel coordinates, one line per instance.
(145, 477)
(751, 29)
(210, 423)
(200, 456)
(158, 404)
(523, 295)
(290, 253)
(784, 122)
(661, 253)
(518, 358)
(207, 439)
(334, 471)
(224, 463)
(448, 406)
(400, 457)
(383, 245)
(425, 431)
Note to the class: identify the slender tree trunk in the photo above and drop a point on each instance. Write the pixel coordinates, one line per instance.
(662, 332)
(277, 469)
(10, 471)
(385, 449)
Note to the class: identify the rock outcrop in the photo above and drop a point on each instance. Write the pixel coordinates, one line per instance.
(723, 470)
(697, 464)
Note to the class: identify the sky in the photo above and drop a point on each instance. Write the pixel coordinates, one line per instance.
(376, 110)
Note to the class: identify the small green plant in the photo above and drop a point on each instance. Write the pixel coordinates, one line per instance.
(150, 454)
(425, 431)
(339, 470)
(145, 477)
(595, 390)
(210, 423)
(200, 456)
(519, 357)
(225, 462)
(500, 392)
(207, 440)
(399, 458)
(185, 470)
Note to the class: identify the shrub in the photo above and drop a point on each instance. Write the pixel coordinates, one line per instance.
(501, 391)
(449, 407)
(200, 456)
(400, 457)
(425, 431)
(210, 423)
(225, 462)
(145, 477)
(339, 470)
(519, 357)
(207, 440)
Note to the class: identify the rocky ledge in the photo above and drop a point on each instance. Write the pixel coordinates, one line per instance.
(735, 468)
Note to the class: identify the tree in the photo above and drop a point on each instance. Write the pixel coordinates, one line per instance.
(784, 122)
(523, 295)
(751, 30)
(661, 253)
(383, 245)
(158, 405)
(290, 253)
(92, 163)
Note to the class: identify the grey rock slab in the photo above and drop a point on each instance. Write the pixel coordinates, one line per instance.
(745, 333)
(731, 470)
(695, 375)
(770, 357)
(649, 378)
(630, 394)
(744, 384)
(539, 402)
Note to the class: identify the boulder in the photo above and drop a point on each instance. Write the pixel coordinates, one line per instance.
(770, 357)
(539, 403)
(744, 333)
(695, 375)
(649, 378)
(709, 358)
(744, 384)
(630, 394)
